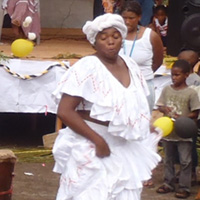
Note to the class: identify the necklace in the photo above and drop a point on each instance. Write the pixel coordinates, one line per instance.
(133, 45)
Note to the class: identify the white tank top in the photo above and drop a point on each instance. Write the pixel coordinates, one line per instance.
(142, 53)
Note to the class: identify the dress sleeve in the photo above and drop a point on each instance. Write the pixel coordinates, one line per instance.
(85, 79)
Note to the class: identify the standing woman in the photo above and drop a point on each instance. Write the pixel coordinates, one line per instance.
(106, 150)
(142, 44)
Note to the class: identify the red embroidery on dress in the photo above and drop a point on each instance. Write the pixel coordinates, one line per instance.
(94, 82)
(144, 116)
(80, 168)
(118, 108)
(133, 123)
(62, 82)
(70, 182)
(141, 79)
(62, 179)
(81, 81)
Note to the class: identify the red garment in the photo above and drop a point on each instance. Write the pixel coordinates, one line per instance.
(20, 9)
(108, 5)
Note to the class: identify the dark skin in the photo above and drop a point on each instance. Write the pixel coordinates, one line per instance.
(109, 55)
(190, 56)
(161, 16)
(179, 83)
(107, 45)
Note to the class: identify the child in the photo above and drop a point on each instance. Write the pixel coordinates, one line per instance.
(160, 23)
(192, 58)
(178, 100)
(193, 81)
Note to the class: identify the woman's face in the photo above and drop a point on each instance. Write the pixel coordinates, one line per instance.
(131, 20)
(108, 42)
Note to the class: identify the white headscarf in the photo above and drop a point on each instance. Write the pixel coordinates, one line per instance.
(108, 20)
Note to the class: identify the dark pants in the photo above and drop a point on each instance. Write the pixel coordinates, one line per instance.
(184, 150)
(147, 11)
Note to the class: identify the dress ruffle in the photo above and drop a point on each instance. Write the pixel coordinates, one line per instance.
(126, 108)
(85, 176)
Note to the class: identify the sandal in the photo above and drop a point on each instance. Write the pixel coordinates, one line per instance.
(164, 189)
(182, 194)
(148, 184)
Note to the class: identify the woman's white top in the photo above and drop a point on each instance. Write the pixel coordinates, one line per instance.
(142, 53)
(107, 99)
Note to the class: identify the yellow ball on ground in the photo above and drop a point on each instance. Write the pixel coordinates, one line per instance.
(166, 124)
(21, 47)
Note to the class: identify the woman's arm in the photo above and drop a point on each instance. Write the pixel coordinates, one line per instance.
(67, 113)
(157, 50)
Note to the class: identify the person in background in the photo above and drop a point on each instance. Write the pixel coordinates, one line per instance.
(178, 100)
(158, 2)
(142, 44)
(160, 23)
(147, 11)
(106, 151)
(25, 17)
(145, 47)
(98, 8)
(192, 57)
(193, 80)
(146, 6)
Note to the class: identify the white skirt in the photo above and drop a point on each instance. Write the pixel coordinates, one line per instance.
(84, 176)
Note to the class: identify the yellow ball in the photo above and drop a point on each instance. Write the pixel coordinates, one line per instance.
(165, 124)
(21, 47)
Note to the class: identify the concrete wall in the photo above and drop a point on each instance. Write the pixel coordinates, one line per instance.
(65, 13)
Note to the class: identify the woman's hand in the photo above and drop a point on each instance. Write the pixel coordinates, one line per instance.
(71, 118)
(102, 148)
(152, 128)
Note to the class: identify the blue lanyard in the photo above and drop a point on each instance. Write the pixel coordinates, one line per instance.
(133, 45)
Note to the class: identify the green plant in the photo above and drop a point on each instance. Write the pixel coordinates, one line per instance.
(3, 57)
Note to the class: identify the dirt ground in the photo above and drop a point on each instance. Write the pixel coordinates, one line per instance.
(43, 183)
(54, 44)
(35, 180)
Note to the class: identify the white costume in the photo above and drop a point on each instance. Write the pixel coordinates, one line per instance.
(141, 51)
(84, 176)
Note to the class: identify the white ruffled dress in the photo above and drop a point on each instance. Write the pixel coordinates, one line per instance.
(133, 156)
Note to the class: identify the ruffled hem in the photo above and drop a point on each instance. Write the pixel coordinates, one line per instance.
(85, 175)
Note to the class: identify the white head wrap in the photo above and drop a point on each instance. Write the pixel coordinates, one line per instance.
(108, 20)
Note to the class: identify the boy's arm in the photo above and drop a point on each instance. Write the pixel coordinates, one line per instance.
(194, 114)
(165, 110)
